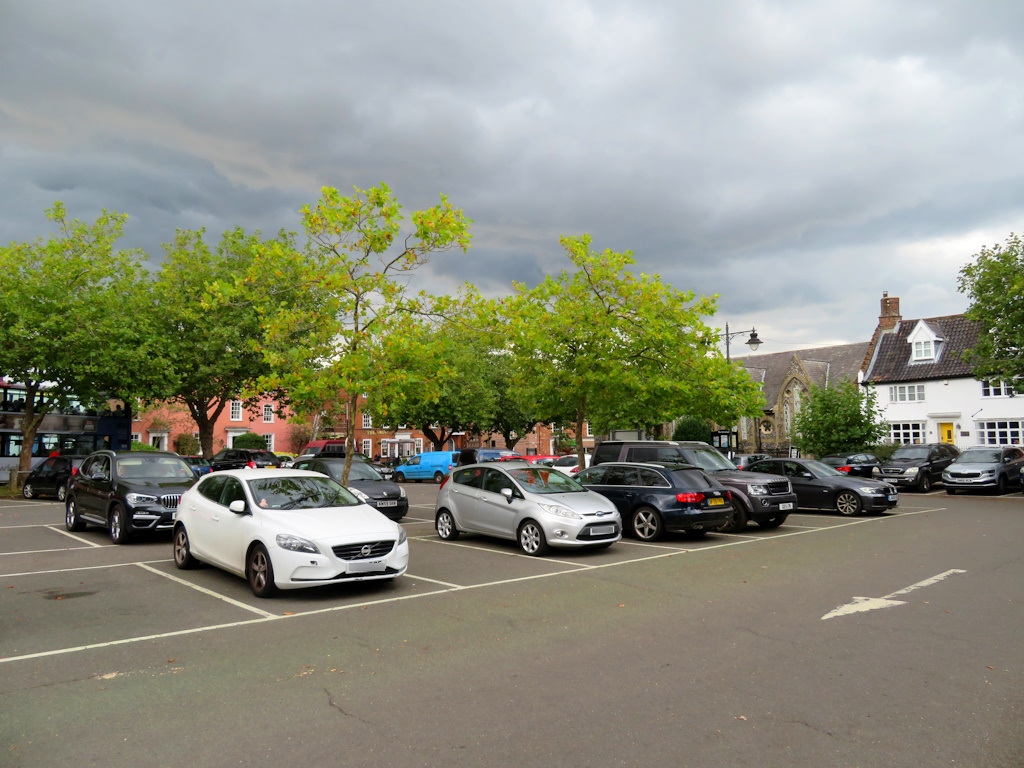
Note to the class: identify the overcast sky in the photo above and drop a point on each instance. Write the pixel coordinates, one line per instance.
(797, 158)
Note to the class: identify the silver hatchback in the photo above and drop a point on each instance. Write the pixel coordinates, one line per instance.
(539, 507)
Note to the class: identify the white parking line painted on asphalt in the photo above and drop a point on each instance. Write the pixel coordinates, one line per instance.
(447, 590)
(499, 552)
(416, 520)
(83, 568)
(434, 581)
(632, 543)
(21, 506)
(76, 538)
(42, 551)
(209, 592)
(27, 525)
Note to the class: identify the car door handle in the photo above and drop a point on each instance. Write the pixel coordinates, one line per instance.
(215, 518)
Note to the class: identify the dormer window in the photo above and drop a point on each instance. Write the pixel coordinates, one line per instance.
(924, 350)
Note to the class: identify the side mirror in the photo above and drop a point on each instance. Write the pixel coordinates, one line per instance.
(806, 475)
(507, 493)
(237, 506)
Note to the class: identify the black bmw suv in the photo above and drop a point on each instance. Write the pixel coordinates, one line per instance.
(127, 492)
(766, 499)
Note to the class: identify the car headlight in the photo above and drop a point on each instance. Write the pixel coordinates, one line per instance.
(401, 492)
(870, 490)
(295, 544)
(402, 536)
(876, 470)
(560, 511)
(988, 473)
(757, 490)
(911, 471)
(136, 499)
(359, 494)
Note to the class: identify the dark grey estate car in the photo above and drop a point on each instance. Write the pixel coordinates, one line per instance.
(127, 492)
(765, 499)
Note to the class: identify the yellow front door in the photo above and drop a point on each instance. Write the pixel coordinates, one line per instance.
(946, 433)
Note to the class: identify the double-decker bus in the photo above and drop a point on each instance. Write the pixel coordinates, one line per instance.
(74, 431)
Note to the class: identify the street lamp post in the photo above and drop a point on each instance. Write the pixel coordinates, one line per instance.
(753, 342)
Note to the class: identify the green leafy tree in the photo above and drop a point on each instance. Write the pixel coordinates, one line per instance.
(75, 321)
(213, 346)
(618, 349)
(186, 444)
(350, 293)
(844, 417)
(250, 440)
(994, 282)
(692, 428)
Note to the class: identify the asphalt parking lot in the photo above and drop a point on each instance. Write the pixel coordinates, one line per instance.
(705, 652)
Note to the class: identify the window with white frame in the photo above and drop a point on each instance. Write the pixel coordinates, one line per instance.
(367, 421)
(998, 432)
(907, 431)
(268, 413)
(924, 350)
(906, 393)
(236, 410)
(195, 435)
(136, 437)
(270, 442)
(419, 445)
(384, 449)
(996, 389)
(586, 429)
(367, 449)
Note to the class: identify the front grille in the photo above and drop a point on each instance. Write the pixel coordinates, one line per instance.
(171, 501)
(355, 551)
(778, 487)
(965, 475)
(892, 470)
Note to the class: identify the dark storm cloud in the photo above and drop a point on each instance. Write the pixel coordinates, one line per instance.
(796, 158)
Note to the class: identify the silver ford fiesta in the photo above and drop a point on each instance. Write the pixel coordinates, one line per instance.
(539, 507)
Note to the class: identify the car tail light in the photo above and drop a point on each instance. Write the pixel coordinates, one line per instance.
(728, 495)
(446, 477)
(251, 465)
(74, 471)
(689, 498)
(845, 470)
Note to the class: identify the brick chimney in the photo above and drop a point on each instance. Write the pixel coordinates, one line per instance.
(888, 318)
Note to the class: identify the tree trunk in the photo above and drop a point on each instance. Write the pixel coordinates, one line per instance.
(350, 437)
(581, 415)
(205, 421)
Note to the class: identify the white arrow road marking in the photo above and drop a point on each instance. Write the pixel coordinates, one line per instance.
(861, 604)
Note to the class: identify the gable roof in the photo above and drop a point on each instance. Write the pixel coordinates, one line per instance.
(824, 366)
(892, 359)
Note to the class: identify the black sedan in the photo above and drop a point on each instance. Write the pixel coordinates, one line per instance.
(127, 492)
(856, 464)
(51, 478)
(819, 486)
(242, 458)
(653, 499)
(365, 482)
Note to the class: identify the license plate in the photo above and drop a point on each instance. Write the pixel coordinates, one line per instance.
(599, 530)
(387, 503)
(893, 497)
(785, 506)
(366, 566)
(715, 502)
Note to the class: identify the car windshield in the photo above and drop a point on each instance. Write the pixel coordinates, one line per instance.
(541, 480)
(980, 456)
(360, 471)
(144, 467)
(913, 452)
(822, 470)
(712, 461)
(299, 492)
(567, 461)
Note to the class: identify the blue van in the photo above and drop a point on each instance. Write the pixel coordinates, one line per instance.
(433, 465)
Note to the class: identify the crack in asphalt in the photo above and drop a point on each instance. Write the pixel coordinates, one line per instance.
(335, 705)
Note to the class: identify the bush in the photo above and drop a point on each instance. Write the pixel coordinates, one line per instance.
(250, 440)
(186, 445)
(692, 428)
(137, 446)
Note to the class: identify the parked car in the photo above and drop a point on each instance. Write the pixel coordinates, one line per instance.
(819, 486)
(744, 460)
(332, 452)
(481, 455)
(917, 466)
(547, 460)
(856, 464)
(571, 463)
(199, 465)
(991, 467)
(51, 477)
(313, 447)
(286, 529)
(240, 458)
(653, 499)
(432, 465)
(127, 492)
(767, 499)
(538, 507)
(368, 485)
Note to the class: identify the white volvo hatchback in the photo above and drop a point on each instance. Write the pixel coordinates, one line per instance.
(285, 529)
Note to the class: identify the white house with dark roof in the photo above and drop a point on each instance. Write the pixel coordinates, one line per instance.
(925, 389)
